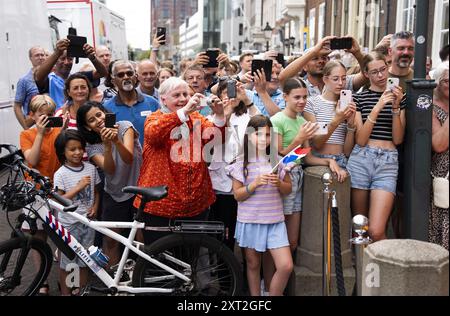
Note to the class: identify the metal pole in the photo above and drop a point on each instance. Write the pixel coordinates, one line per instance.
(360, 227)
(327, 180)
(417, 153)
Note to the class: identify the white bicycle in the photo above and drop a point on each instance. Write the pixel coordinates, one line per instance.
(187, 262)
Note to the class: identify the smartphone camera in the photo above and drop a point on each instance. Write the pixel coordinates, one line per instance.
(54, 121)
(161, 31)
(231, 89)
(110, 120)
(341, 43)
(213, 54)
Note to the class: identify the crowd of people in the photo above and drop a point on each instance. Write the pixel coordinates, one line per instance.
(215, 144)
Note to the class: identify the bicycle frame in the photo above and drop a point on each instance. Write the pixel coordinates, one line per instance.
(49, 219)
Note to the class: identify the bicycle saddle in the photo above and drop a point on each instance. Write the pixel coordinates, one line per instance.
(148, 194)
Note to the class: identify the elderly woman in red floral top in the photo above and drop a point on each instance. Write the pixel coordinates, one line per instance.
(173, 155)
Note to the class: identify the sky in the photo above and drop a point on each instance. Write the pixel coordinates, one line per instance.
(137, 20)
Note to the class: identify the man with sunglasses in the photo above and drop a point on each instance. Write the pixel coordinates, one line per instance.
(129, 104)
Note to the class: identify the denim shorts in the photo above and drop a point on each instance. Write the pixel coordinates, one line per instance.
(293, 202)
(85, 236)
(340, 159)
(373, 168)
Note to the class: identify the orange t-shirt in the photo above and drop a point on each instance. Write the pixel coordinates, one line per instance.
(48, 161)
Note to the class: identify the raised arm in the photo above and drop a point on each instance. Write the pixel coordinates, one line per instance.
(100, 69)
(260, 87)
(359, 79)
(322, 48)
(42, 71)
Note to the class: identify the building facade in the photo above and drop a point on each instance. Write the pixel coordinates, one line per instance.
(170, 14)
(237, 25)
(369, 20)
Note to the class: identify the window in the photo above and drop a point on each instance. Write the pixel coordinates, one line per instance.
(241, 29)
(312, 27)
(321, 30)
(345, 20)
(444, 29)
(408, 15)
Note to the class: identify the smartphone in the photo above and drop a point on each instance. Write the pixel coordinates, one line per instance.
(268, 64)
(346, 98)
(323, 129)
(212, 53)
(257, 64)
(392, 82)
(75, 48)
(231, 89)
(54, 121)
(161, 31)
(110, 120)
(280, 59)
(341, 43)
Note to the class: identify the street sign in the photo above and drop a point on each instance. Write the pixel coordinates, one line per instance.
(305, 38)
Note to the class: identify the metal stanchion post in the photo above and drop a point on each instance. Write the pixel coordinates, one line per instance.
(327, 180)
(360, 227)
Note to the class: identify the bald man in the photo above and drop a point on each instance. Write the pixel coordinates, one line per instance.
(147, 75)
(104, 55)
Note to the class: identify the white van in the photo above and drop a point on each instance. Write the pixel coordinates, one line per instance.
(23, 24)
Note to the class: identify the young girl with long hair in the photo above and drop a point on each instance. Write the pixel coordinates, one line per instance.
(373, 164)
(260, 221)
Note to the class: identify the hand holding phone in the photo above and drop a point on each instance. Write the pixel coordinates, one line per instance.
(75, 48)
(213, 54)
(205, 101)
(257, 64)
(54, 121)
(341, 43)
(323, 129)
(161, 31)
(231, 89)
(392, 83)
(280, 59)
(345, 99)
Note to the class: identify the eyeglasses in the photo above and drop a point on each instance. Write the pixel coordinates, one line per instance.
(377, 71)
(121, 75)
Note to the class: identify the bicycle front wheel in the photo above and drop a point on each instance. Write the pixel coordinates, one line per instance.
(23, 268)
(211, 266)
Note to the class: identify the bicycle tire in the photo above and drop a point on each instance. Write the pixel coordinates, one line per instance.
(217, 273)
(31, 275)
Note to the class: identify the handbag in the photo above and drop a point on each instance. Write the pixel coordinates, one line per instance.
(440, 192)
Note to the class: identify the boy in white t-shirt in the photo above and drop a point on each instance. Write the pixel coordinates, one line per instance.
(76, 180)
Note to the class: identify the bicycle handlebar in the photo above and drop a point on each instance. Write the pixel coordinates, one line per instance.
(44, 182)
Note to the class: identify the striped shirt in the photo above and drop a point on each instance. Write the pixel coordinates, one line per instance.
(324, 112)
(365, 102)
(67, 178)
(72, 121)
(265, 205)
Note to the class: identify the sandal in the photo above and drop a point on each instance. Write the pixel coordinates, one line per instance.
(43, 290)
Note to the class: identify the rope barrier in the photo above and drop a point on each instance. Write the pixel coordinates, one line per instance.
(337, 248)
